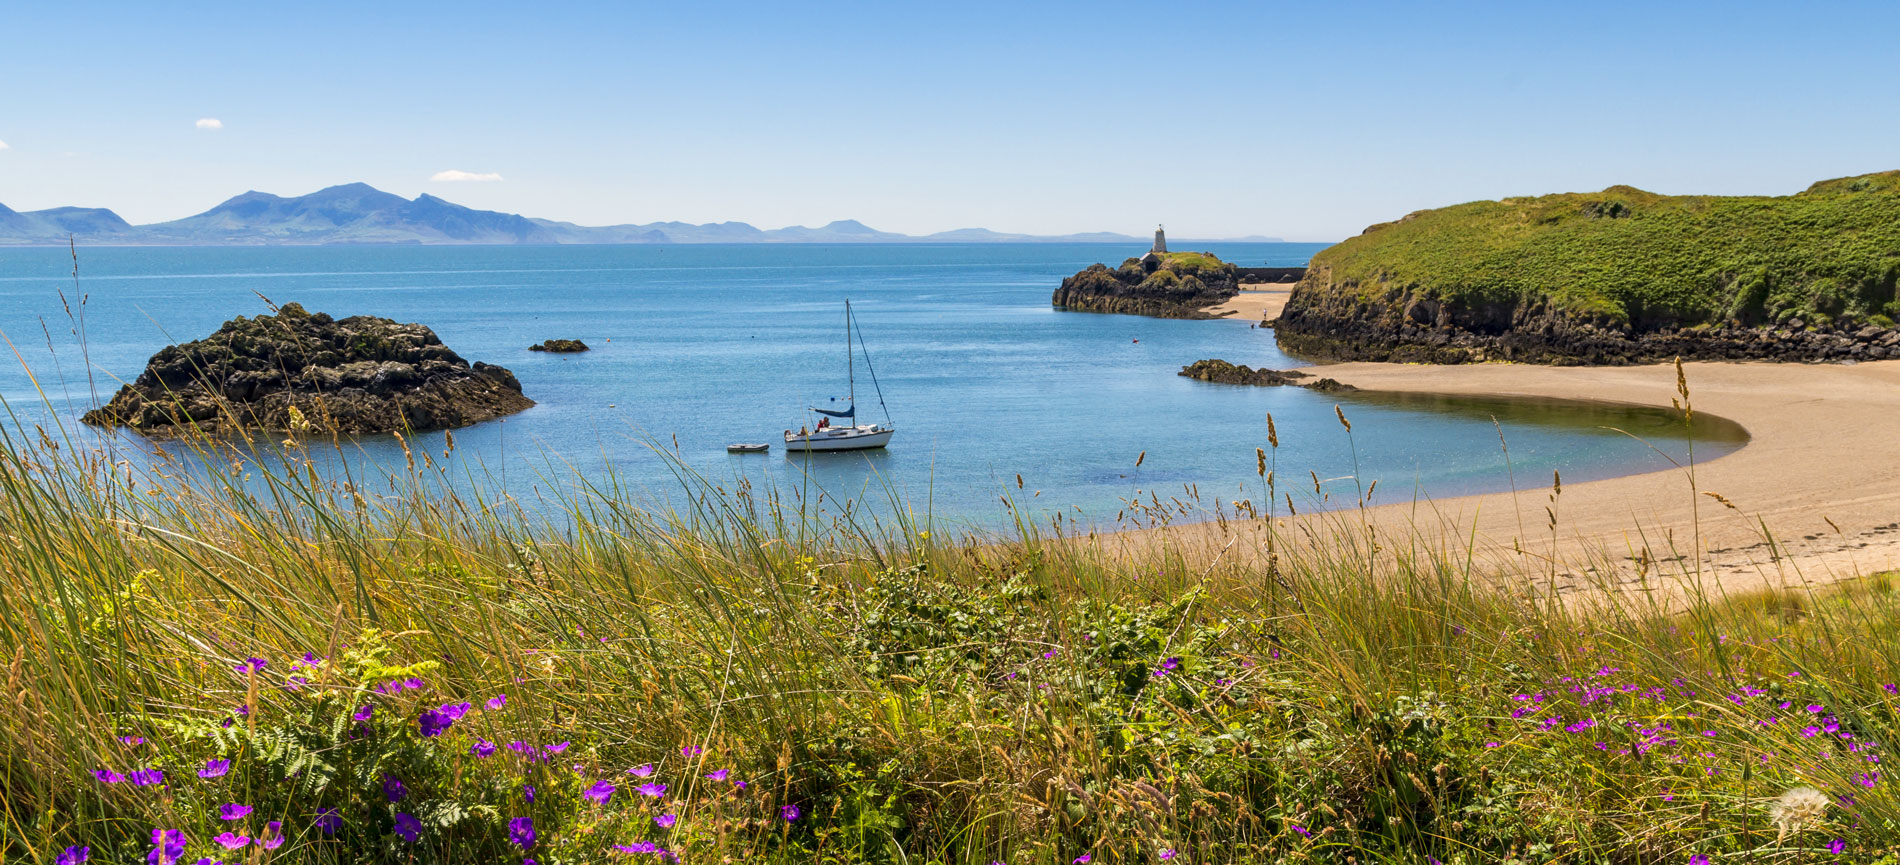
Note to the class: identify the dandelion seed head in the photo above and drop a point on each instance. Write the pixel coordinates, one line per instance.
(1797, 809)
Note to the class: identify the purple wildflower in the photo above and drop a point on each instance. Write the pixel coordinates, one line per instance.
(1083, 859)
(521, 832)
(1301, 829)
(1170, 854)
(364, 712)
(497, 701)
(167, 846)
(1699, 859)
(233, 811)
(691, 751)
(215, 769)
(408, 827)
(641, 771)
(790, 813)
(73, 856)
(482, 748)
(455, 711)
(393, 788)
(146, 777)
(252, 665)
(132, 740)
(273, 836)
(718, 774)
(433, 723)
(556, 749)
(653, 789)
(107, 776)
(328, 821)
(231, 841)
(600, 793)
(666, 821)
(1837, 846)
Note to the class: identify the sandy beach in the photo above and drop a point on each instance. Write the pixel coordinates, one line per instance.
(1255, 302)
(1821, 471)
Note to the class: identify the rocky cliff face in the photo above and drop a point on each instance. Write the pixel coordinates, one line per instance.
(1179, 287)
(1340, 322)
(309, 372)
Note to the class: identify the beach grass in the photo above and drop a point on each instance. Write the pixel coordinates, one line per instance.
(226, 655)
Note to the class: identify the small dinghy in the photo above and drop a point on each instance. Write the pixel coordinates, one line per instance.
(748, 448)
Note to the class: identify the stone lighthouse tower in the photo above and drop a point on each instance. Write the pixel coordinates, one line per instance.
(1161, 242)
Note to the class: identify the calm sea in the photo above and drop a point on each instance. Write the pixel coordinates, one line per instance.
(699, 346)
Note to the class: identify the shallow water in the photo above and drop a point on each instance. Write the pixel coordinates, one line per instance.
(699, 346)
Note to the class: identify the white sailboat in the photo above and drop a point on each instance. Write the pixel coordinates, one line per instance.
(851, 436)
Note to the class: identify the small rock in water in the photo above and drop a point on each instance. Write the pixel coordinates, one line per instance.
(560, 346)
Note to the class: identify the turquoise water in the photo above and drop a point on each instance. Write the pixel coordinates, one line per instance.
(699, 346)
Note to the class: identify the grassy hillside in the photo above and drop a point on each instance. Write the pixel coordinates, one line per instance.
(251, 657)
(1628, 257)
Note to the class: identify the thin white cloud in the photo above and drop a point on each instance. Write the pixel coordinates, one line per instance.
(454, 176)
(210, 123)
(4, 146)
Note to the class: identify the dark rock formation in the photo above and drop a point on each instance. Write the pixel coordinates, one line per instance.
(1270, 275)
(308, 372)
(1178, 287)
(1323, 321)
(559, 346)
(1222, 372)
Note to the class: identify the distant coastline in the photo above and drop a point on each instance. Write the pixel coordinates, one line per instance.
(357, 214)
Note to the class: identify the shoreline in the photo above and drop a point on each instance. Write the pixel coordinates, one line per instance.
(1819, 470)
(1256, 302)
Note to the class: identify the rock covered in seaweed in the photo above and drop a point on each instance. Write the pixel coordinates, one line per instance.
(1221, 372)
(297, 370)
(560, 346)
(1170, 285)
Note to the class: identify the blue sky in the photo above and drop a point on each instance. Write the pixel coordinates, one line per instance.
(1307, 121)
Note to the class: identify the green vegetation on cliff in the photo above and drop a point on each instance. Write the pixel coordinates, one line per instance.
(1625, 257)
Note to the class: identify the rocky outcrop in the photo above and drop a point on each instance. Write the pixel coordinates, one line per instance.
(1612, 277)
(1177, 286)
(301, 371)
(559, 346)
(1324, 321)
(1221, 372)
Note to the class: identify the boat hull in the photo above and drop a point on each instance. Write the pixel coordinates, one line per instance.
(840, 439)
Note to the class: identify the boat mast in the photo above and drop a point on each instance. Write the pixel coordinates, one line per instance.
(851, 370)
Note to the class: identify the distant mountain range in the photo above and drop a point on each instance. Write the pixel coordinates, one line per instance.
(358, 213)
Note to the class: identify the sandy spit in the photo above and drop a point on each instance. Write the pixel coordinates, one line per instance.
(1821, 471)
